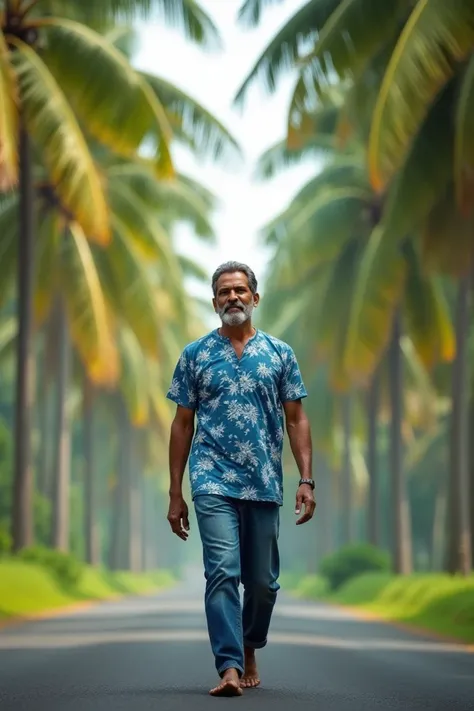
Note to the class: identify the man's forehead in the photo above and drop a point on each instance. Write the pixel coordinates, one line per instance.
(233, 279)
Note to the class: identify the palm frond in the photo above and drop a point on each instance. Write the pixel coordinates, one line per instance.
(8, 335)
(333, 313)
(128, 288)
(61, 143)
(283, 51)
(376, 296)
(89, 320)
(447, 237)
(114, 101)
(9, 121)
(134, 381)
(191, 268)
(251, 11)
(464, 146)
(279, 157)
(312, 115)
(184, 15)
(332, 214)
(170, 200)
(9, 214)
(426, 313)
(425, 173)
(204, 132)
(124, 38)
(352, 35)
(420, 394)
(437, 36)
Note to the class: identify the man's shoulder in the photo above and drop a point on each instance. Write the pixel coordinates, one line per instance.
(275, 343)
(208, 340)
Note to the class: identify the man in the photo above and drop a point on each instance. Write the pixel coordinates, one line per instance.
(243, 384)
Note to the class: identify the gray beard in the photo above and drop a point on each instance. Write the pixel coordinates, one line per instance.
(236, 318)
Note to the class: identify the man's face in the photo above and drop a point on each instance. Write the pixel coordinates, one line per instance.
(234, 301)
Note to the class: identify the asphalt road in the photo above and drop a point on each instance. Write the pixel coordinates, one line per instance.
(152, 653)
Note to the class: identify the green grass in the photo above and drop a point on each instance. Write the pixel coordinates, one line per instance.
(28, 588)
(435, 602)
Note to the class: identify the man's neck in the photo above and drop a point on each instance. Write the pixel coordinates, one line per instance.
(238, 333)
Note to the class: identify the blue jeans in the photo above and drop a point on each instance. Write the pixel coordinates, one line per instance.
(240, 543)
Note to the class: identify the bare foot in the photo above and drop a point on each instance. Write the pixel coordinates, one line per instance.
(250, 678)
(229, 686)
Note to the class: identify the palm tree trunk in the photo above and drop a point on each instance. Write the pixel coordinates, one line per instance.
(373, 528)
(439, 527)
(401, 511)
(120, 520)
(461, 520)
(61, 513)
(23, 487)
(347, 489)
(91, 524)
(134, 504)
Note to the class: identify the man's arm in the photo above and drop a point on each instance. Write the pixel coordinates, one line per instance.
(181, 437)
(299, 434)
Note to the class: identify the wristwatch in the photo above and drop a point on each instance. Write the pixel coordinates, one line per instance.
(310, 482)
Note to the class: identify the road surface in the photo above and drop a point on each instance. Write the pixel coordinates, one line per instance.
(152, 653)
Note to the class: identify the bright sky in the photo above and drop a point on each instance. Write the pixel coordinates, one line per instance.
(213, 79)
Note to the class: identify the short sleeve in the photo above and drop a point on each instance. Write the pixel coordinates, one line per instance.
(183, 390)
(291, 382)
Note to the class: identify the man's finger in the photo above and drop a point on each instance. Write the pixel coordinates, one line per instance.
(175, 523)
(186, 522)
(308, 512)
(299, 502)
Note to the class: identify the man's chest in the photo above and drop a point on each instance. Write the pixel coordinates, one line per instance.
(224, 374)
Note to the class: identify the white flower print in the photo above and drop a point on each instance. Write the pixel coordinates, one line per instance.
(210, 342)
(275, 452)
(215, 402)
(249, 493)
(245, 453)
(175, 387)
(217, 431)
(246, 383)
(212, 487)
(199, 437)
(204, 355)
(263, 370)
(227, 352)
(206, 377)
(204, 466)
(268, 473)
(252, 350)
(230, 476)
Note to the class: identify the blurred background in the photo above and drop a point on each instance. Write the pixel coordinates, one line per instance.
(330, 146)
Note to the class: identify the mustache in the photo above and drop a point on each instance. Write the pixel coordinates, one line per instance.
(234, 306)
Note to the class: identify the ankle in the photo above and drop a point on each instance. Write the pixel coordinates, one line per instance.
(249, 652)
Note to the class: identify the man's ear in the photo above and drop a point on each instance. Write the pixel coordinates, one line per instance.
(256, 299)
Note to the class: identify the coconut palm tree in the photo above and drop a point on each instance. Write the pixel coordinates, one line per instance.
(58, 78)
(409, 67)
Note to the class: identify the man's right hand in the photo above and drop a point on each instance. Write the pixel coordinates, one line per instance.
(178, 516)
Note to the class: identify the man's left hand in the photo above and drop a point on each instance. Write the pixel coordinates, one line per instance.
(304, 496)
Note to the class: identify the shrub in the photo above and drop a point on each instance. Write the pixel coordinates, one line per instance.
(64, 566)
(351, 561)
(312, 586)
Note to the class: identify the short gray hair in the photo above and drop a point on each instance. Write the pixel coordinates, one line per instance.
(230, 268)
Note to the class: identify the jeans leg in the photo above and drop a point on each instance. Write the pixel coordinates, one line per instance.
(260, 564)
(218, 522)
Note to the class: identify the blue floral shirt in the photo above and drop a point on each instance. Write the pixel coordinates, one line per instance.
(238, 442)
